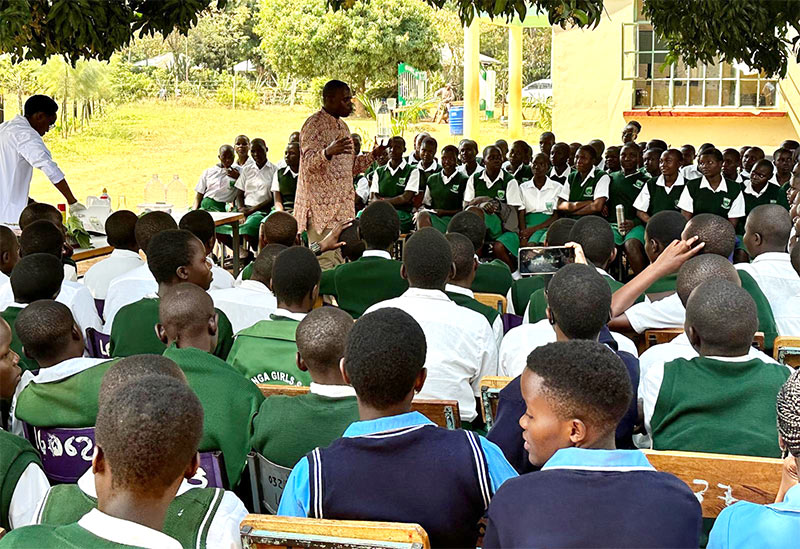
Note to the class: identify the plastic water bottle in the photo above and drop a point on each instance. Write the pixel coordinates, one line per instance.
(620, 211)
(154, 191)
(384, 119)
(176, 194)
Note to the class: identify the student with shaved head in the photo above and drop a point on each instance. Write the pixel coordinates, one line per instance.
(9, 253)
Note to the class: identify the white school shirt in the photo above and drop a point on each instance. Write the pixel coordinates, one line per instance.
(275, 186)
(411, 185)
(126, 289)
(256, 182)
(4, 279)
(686, 202)
(654, 315)
(642, 202)
(535, 200)
(461, 346)
(70, 273)
(564, 174)
(100, 275)
(497, 326)
(31, 488)
(747, 188)
(513, 195)
(21, 149)
(600, 188)
(691, 172)
(216, 184)
(779, 281)
(221, 279)
(463, 169)
(126, 532)
(430, 169)
(245, 304)
(362, 188)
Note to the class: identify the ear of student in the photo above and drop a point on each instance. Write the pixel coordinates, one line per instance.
(191, 469)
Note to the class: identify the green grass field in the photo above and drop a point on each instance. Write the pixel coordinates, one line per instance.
(122, 149)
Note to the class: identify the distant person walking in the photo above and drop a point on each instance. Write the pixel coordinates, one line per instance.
(22, 149)
(325, 193)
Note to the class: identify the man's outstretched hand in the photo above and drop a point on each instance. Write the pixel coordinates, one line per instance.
(331, 241)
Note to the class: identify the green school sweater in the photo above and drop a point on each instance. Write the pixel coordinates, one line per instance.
(188, 519)
(449, 195)
(522, 289)
(772, 195)
(471, 303)
(16, 454)
(266, 352)
(624, 189)
(230, 403)
(10, 316)
(367, 281)
(327, 284)
(425, 175)
(288, 427)
(707, 405)
(287, 183)
(766, 321)
(133, 331)
(70, 536)
(69, 403)
(664, 284)
(497, 190)
(662, 198)
(538, 302)
(708, 201)
(392, 185)
(493, 277)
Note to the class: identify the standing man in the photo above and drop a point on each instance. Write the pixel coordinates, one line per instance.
(325, 194)
(22, 149)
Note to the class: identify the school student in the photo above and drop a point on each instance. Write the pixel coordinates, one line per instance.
(255, 181)
(252, 300)
(782, 160)
(663, 192)
(723, 400)
(416, 155)
(712, 193)
(461, 344)
(364, 474)
(575, 393)
(295, 281)
(289, 427)
(539, 199)
(468, 154)
(284, 182)
(216, 188)
(444, 193)
(559, 159)
(427, 166)
(37, 211)
(586, 190)
(120, 232)
(492, 277)
(201, 224)
(9, 253)
(624, 188)
(397, 183)
(173, 257)
(517, 167)
(758, 190)
(651, 160)
(188, 327)
(749, 159)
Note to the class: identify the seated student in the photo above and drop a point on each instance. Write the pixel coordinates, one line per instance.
(662, 230)
(201, 224)
(497, 193)
(289, 427)
(277, 228)
(458, 287)
(766, 233)
(197, 517)
(217, 186)
(599, 147)
(611, 159)
(468, 154)
(252, 300)
(416, 155)
(624, 188)
(517, 167)
(539, 198)
(462, 347)
(35, 277)
(37, 211)
(586, 189)
(688, 153)
(376, 276)
(147, 434)
(188, 327)
(9, 253)
(651, 160)
(284, 182)
(44, 237)
(782, 160)
(397, 183)
(758, 190)
(295, 281)
(173, 257)
(427, 166)
(493, 277)
(502, 144)
(63, 392)
(120, 227)
(575, 393)
(255, 181)
(573, 150)
(731, 162)
(577, 309)
(547, 141)
(559, 156)
(712, 193)
(365, 472)
(139, 282)
(521, 290)
(661, 193)
(444, 193)
(746, 524)
(723, 400)
(749, 159)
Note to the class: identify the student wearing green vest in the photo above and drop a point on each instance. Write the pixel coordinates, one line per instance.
(427, 166)
(216, 187)
(539, 199)
(516, 167)
(147, 434)
(63, 392)
(559, 159)
(397, 183)
(444, 193)
(662, 192)
(284, 182)
(173, 257)
(197, 517)
(375, 276)
(188, 327)
(624, 188)
(493, 277)
(22, 481)
(586, 189)
(9, 253)
(35, 277)
(468, 156)
(758, 190)
(288, 427)
(495, 191)
(712, 193)
(722, 401)
(295, 282)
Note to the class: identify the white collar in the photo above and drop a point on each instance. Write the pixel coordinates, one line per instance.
(723, 186)
(376, 253)
(678, 182)
(743, 358)
(748, 188)
(434, 165)
(548, 184)
(565, 173)
(783, 257)
(125, 532)
(17, 305)
(459, 290)
(125, 253)
(247, 162)
(87, 486)
(255, 286)
(602, 272)
(332, 391)
(67, 368)
(426, 294)
(448, 178)
(286, 170)
(402, 165)
(489, 182)
(289, 314)
(463, 169)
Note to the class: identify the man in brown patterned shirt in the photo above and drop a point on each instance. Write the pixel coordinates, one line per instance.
(325, 193)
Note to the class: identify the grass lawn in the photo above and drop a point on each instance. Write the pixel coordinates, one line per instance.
(124, 148)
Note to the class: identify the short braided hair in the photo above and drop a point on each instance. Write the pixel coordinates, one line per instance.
(788, 408)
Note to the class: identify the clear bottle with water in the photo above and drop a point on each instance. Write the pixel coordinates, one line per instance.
(154, 191)
(384, 119)
(176, 194)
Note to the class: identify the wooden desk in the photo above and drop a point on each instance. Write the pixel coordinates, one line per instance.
(99, 248)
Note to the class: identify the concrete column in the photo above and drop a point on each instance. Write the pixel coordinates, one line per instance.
(515, 82)
(472, 67)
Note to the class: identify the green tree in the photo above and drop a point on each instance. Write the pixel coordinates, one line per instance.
(18, 79)
(222, 37)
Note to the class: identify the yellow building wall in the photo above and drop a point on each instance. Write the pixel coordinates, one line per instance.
(590, 97)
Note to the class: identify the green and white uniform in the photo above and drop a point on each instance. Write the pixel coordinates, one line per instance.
(539, 205)
(425, 173)
(285, 182)
(444, 193)
(770, 194)
(592, 187)
(503, 188)
(625, 189)
(255, 182)
(465, 297)
(559, 178)
(217, 188)
(10, 316)
(492, 277)
(523, 173)
(656, 197)
(389, 182)
(22, 481)
(373, 278)
(726, 201)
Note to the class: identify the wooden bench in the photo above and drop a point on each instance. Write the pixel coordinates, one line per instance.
(444, 413)
(665, 335)
(495, 301)
(719, 480)
(787, 351)
(270, 532)
(490, 391)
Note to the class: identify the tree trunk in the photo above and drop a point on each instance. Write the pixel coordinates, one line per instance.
(2, 108)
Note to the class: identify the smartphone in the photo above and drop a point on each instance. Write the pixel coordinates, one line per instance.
(544, 260)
